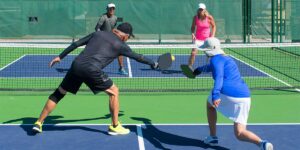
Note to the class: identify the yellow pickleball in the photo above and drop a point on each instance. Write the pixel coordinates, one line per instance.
(173, 58)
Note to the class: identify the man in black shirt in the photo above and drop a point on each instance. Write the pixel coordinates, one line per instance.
(101, 49)
(107, 22)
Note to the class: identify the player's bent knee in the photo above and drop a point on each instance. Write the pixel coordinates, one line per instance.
(116, 90)
(239, 132)
(56, 96)
(113, 91)
(61, 90)
(238, 135)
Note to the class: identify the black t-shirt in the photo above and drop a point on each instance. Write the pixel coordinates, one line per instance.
(101, 49)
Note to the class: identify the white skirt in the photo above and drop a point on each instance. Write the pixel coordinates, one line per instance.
(235, 109)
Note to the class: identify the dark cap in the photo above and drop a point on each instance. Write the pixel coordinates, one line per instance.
(126, 28)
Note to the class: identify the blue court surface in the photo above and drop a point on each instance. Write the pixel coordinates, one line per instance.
(142, 137)
(35, 66)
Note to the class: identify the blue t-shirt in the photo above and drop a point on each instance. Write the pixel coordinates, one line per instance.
(227, 77)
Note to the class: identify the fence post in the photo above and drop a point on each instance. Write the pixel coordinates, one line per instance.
(244, 4)
(280, 35)
(272, 20)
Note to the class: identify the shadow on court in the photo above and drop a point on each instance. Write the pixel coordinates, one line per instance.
(28, 129)
(52, 120)
(62, 70)
(169, 71)
(158, 137)
(65, 70)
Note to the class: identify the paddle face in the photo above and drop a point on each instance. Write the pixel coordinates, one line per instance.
(187, 71)
(164, 61)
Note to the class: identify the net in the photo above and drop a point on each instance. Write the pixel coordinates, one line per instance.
(263, 66)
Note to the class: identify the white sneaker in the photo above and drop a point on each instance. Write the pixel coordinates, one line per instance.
(211, 140)
(265, 145)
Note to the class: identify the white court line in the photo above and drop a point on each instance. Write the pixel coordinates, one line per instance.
(285, 83)
(129, 68)
(140, 137)
(12, 62)
(160, 124)
(252, 66)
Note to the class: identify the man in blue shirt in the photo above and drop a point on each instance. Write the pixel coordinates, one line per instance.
(230, 95)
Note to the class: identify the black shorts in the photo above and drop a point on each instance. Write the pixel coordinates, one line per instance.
(97, 81)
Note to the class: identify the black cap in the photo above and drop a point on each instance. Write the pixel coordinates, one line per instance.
(126, 28)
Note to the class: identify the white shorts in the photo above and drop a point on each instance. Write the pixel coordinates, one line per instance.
(198, 43)
(235, 109)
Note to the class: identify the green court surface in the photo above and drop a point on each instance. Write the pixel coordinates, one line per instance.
(167, 108)
(175, 103)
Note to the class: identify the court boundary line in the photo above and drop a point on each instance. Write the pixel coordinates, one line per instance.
(140, 137)
(12, 62)
(158, 124)
(129, 67)
(285, 83)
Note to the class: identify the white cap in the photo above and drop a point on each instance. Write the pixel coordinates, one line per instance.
(111, 5)
(202, 6)
(211, 47)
